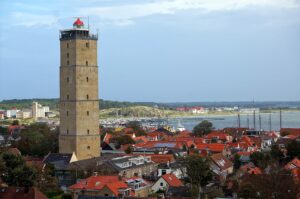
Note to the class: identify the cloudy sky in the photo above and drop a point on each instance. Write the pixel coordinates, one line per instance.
(158, 50)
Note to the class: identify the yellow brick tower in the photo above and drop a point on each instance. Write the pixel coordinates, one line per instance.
(79, 103)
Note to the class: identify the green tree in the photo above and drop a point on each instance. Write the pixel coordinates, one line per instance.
(15, 122)
(137, 128)
(293, 149)
(203, 128)
(276, 153)
(261, 159)
(129, 150)
(198, 171)
(214, 193)
(278, 184)
(3, 130)
(122, 140)
(15, 172)
(37, 140)
(46, 180)
(236, 161)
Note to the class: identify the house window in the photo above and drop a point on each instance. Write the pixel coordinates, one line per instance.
(88, 147)
(67, 55)
(161, 184)
(87, 45)
(67, 113)
(87, 97)
(106, 194)
(87, 113)
(88, 131)
(87, 79)
(86, 63)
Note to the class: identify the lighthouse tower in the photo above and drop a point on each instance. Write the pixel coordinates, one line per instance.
(79, 102)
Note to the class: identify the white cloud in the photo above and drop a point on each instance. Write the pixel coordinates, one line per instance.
(30, 20)
(128, 13)
(125, 14)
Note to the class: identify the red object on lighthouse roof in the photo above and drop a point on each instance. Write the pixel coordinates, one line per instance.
(78, 22)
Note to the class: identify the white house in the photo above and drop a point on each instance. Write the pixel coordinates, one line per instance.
(166, 181)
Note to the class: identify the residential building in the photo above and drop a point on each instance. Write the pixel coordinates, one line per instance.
(165, 182)
(139, 186)
(100, 186)
(131, 166)
(221, 166)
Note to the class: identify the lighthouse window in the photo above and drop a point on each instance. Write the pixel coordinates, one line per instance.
(67, 96)
(87, 79)
(88, 131)
(67, 45)
(67, 113)
(87, 63)
(88, 147)
(87, 45)
(68, 62)
(67, 55)
(67, 131)
(87, 96)
(87, 113)
(67, 79)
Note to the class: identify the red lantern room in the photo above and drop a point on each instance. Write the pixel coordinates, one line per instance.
(78, 24)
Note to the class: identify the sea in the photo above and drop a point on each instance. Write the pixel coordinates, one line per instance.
(268, 121)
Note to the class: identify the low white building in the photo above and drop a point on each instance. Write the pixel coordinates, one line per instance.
(24, 114)
(11, 113)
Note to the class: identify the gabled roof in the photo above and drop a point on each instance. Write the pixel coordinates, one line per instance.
(59, 160)
(219, 135)
(162, 158)
(221, 161)
(14, 151)
(172, 180)
(294, 131)
(113, 183)
(295, 163)
(213, 147)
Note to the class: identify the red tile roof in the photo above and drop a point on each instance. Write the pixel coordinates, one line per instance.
(140, 139)
(172, 180)
(296, 175)
(219, 135)
(221, 161)
(99, 182)
(294, 131)
(213, 147)
(295, 163)
(162, 158)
